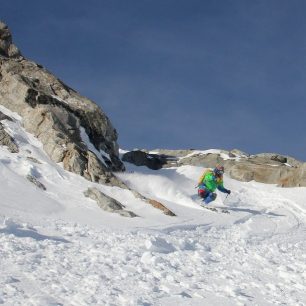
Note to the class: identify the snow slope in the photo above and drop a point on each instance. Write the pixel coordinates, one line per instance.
(59, 248)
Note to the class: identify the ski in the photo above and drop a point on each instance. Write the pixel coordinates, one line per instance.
(217, 210)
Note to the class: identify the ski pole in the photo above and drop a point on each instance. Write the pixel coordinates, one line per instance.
(226, 198)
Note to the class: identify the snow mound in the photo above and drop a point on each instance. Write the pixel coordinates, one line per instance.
(159, 245)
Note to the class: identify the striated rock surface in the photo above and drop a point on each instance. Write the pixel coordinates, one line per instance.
(55, 114)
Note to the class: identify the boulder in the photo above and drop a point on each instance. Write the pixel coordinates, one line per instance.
(107, 203)
(140, 158)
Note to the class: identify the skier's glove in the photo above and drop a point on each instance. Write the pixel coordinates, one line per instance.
(228, 191)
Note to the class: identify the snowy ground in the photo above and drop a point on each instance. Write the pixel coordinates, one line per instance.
(59, 248)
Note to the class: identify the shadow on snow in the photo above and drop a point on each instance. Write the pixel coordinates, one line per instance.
(24, 233)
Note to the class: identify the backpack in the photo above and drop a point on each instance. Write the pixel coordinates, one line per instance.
(206, 171)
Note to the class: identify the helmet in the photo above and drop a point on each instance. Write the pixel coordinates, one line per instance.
(219, 170)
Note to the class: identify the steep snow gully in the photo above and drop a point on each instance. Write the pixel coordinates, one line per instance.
(59, 248)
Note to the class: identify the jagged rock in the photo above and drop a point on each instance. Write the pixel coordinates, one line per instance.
(36, 182)
(7, 140)
(107, 203)
(55, 113)
(7, 48)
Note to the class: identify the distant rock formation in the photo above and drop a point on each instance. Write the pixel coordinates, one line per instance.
(265, 168)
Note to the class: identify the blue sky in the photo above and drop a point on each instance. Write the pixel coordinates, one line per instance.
(178, 74)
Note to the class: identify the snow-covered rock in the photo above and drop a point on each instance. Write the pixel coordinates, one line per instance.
(107, 203)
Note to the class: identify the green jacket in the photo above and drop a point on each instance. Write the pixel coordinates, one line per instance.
(212, 182)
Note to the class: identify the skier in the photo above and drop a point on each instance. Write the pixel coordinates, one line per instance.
(209, 182)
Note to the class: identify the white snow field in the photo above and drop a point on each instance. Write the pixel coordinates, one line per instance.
(59, 248)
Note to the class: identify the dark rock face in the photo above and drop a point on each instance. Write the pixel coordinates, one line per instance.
(140, 158)
(56, 115)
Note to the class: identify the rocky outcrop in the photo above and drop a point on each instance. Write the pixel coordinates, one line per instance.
(74, 131)
(267, 168)
(56, 115)
(107, 203)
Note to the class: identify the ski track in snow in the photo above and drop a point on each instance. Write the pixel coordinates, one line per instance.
(59, 248)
